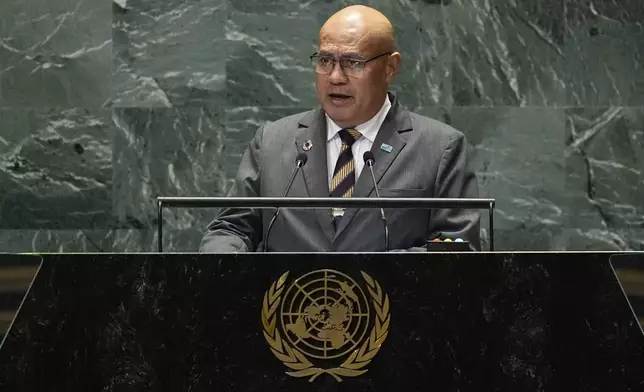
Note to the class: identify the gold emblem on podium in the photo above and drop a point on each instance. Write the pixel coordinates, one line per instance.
(325, 323)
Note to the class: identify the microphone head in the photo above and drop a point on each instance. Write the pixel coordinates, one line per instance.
(301, 159)
(368, 157)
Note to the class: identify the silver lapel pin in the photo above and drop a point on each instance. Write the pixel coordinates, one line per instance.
(307, 145)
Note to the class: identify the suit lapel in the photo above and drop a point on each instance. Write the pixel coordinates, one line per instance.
(315, 172)
(396, 121)
(388, 135)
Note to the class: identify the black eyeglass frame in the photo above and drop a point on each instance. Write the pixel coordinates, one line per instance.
(362, 62)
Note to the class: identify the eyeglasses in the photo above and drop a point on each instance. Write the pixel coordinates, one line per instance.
(324, 64)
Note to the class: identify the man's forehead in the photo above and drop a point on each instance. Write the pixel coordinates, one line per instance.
(345, 44)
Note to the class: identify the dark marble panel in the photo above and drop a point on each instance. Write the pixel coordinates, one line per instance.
(518, 157)
(179, 238)
(268, 64)
(605, 167)
(467, 322)
(507, 52)
(55, 169)
(625, 11)
(600, 240)
(168, 53)
(531, 236)
(604, 49)
(73, 241)
(422, 38)
(167, 152)
(328, 7)
(55, 53)
(270, 8)
(268, 61)
(563, 239)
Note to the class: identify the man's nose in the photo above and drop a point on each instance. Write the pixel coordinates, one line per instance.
(337, 75)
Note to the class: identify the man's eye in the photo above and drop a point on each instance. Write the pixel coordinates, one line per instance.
(325, 61)
(352, 63)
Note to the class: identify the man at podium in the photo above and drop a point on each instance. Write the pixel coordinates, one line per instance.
(411, 156)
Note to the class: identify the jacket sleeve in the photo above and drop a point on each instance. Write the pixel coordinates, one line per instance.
(239, 229)
(455, 179)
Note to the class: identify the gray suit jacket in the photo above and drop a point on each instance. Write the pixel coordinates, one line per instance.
(429, 159)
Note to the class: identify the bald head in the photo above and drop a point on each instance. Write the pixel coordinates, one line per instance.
(359, 25)
(355, 63)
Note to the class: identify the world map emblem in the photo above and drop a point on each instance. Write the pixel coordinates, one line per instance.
(325, 322)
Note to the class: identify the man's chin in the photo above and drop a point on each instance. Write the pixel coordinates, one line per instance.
(341, 121)
(339, 115)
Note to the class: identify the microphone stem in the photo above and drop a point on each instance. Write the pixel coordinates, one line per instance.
(277, 212)
(382, 211)
(373, 177)
(290, 183)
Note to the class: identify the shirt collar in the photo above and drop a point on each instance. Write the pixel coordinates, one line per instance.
(369, 130)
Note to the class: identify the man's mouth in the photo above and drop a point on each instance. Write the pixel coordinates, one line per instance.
(339, 97)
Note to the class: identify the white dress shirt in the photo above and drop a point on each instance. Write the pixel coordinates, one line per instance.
(368, 130)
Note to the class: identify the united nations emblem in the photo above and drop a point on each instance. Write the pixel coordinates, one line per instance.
(325, 318)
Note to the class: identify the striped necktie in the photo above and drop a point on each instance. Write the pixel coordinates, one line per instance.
(343, 181)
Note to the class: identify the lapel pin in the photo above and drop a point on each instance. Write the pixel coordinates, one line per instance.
(307, 145)
(386, 147)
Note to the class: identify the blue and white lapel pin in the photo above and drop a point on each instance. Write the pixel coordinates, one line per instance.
(386, 147)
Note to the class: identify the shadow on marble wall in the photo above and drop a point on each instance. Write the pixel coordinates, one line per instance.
(104, 107)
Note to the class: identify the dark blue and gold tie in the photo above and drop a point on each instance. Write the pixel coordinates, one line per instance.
(343, 181)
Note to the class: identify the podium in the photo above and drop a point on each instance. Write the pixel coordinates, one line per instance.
(324, 322)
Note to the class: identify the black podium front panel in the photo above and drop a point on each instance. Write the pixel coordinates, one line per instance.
(324, 322)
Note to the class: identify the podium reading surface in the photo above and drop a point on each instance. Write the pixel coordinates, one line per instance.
(324, 322)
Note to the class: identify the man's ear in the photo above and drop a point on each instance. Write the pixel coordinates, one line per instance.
(393, 64)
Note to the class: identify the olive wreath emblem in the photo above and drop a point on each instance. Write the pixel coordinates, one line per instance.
(354, 365)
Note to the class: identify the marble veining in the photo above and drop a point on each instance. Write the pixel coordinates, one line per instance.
(55, 169)
(168, 53)
(55, 53)
(106, 105)
(605, 166)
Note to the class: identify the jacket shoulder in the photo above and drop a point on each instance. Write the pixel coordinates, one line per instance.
(429, 127)
(285, 125)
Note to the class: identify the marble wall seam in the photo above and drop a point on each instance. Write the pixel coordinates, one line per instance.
(106, 105)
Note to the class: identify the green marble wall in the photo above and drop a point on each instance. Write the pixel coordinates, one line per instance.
(104, 106)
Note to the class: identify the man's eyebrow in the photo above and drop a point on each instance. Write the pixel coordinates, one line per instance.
(352, 55)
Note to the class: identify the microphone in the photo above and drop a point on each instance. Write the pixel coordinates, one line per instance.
(300, 161)
(369, 160)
